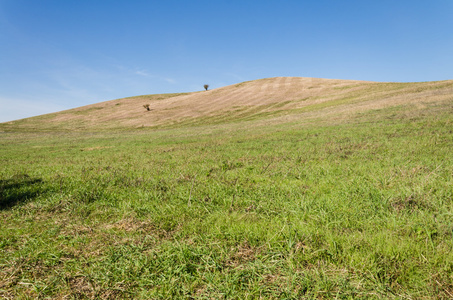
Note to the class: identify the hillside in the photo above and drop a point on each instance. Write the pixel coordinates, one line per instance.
(270, 98)
(279, 188)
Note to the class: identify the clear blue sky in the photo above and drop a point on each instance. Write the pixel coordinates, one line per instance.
(60, 54)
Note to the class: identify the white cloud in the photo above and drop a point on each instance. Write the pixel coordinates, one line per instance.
(170, 80)
(65, 84)
(142, 73)
(158, 77)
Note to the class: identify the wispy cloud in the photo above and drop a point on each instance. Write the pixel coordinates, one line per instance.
(129, 71)
(15, 109)
(142, 73)
(235, 76)
(68, 83)
(145, 73)
(169, 80)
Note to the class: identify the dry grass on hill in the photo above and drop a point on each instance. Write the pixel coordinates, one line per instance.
(275, 98)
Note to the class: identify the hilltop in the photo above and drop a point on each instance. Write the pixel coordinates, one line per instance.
(279, 98)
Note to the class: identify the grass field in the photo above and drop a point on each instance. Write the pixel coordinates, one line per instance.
(358, 207)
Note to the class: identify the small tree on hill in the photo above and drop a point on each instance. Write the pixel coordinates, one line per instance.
(206, 86)
(147, 107)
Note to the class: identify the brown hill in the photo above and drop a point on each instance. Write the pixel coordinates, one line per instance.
(275, 98)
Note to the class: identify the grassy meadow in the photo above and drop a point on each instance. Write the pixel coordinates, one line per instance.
(358, 207)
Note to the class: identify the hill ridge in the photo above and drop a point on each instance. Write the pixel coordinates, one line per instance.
(250, 100)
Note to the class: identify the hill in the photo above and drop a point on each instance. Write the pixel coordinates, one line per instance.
(270, 98)
(280, 188)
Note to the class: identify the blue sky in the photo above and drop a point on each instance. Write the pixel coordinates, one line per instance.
(61, 54)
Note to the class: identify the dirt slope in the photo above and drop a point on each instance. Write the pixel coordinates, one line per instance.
(288, 97)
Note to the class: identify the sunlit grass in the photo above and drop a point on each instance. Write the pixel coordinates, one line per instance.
(359, 208)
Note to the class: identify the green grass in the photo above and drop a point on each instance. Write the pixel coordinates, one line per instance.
(358, 209)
